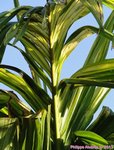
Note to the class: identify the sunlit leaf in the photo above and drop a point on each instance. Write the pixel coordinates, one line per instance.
(56, 109)
(87, 94)
(25, 86)
(95, 7)
(8, 133)
(109, 3)
(91, 138)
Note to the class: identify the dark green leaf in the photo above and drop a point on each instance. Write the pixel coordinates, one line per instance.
(104, 124)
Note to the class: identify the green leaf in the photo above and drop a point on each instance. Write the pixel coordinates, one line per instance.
(37, 56)
(25, 86)
(7, 16)
(30, 127)
(23, 24)
(15, 107)
(79, 35)
(40, 129)
(8, 133)
(65, 16)
(109, 3)
(49, 127)
(2, 37)
(33, 131)
(37, 70)
(95, 7)
(99, 74)
(75, 38)
(100, 47)
(4, 112)
(16, 3)
(11, 33)
(84, 96)
(88, 82)
(103, 125)
(91, 138)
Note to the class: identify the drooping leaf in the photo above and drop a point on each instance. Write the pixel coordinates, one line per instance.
(23, 24)
(25, 86)
(95, 7)
(65, 16)
(103, 125)
(35, 67)
(100, 47)
(79, 35)
(7, 16)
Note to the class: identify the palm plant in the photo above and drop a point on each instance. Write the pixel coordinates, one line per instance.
(59, 113)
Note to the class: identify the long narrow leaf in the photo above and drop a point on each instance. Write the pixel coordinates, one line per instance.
(9, 15)
(91, 138)
(8, 133)
(65, 17)
(2, 37)
(98, 53)
(79, 35)
(109, 3)
(35, 67)
(25, 86)
(95, 7)
(15, 106)
(103, 125)
(23, 25)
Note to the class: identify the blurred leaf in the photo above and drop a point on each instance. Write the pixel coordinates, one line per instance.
(16, 3)
(104, 124)
(4, 112)
(15, 107)
(8, 134)
(91, 138)
(109, 3)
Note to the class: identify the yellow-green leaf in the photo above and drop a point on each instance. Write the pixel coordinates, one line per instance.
(91, 138)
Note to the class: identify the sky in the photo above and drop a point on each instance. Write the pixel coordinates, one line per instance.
(13, 57)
